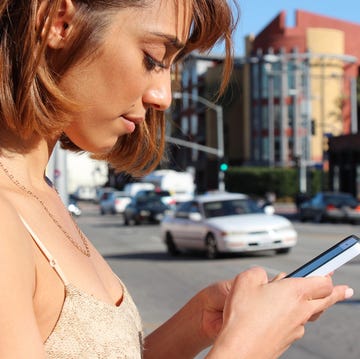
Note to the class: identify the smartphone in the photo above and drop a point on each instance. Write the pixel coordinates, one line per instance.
(331, 259)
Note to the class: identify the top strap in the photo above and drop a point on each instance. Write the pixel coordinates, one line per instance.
(46, 253)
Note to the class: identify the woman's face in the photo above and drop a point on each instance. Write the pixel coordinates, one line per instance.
(130, 74)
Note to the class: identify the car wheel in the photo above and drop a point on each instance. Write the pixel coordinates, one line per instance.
(211, 247)
(170, 245)
(102, 212)
(283, 251)
(126, 221)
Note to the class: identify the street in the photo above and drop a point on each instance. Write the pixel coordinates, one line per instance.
(160, 284)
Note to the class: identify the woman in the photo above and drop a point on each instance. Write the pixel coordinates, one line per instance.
(96, 75)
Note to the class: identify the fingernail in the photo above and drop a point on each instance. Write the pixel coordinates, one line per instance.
(349, 293)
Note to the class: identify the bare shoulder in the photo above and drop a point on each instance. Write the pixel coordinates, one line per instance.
(17, 282)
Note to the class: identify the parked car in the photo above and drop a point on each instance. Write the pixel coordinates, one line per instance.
(145, 209)
(100, 192)
(330, 206)
(225, 222)
(113, 202)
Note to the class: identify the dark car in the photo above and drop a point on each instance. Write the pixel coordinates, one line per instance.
(330, 206)
(150, 209)
(165, 196)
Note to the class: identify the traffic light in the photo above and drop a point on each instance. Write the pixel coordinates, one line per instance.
(224, 166)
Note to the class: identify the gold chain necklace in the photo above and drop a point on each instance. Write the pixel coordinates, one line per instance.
(85, 250)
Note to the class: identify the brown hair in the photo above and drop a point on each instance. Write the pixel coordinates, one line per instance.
(31, 102)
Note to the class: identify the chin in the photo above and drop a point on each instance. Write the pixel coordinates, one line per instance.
(101, 144)
(97, 149)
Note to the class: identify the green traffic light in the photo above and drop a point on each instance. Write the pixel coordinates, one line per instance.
(224, 167)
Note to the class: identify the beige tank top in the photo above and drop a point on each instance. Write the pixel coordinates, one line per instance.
(89, 328)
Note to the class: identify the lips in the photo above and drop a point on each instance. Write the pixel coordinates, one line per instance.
(131, 122)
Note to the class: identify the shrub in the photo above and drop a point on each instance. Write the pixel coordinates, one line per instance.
(284, 182)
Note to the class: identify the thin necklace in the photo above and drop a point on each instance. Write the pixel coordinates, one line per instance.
(85, 250)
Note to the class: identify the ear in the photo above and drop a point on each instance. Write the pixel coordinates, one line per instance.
(60, 26)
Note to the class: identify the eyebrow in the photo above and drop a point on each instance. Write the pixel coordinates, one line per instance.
(171, 40)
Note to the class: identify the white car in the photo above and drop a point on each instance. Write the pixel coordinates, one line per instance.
(226, 222)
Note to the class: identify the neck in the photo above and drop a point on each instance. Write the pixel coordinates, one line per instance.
(29, 167)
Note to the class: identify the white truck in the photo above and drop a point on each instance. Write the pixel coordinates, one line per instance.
(180, 184)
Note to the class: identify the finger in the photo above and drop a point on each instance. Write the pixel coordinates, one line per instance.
(339, 293)
(313, 287)
(278, 277)
(252, 277)
(257, 275)
(316, 316)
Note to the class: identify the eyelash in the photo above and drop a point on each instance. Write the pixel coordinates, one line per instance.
(151, 64)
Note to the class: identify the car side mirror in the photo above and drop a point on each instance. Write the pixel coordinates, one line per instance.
(195, 216)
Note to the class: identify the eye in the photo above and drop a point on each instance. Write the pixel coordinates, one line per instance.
(151, 64)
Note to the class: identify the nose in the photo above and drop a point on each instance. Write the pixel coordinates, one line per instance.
(158, 94)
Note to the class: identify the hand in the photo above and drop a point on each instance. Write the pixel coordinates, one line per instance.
(255, 308)
(316, 316)
(212, 301)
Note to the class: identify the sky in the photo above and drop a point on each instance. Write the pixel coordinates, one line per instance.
(256, 14)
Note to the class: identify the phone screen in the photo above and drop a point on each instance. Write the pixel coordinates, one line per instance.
(325, 257)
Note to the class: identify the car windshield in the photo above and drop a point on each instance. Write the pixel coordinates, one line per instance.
(230, 208)
(152, 194)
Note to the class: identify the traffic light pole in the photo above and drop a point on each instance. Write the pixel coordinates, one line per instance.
(220, 131)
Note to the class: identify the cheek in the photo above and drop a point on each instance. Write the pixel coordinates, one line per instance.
(123, 75)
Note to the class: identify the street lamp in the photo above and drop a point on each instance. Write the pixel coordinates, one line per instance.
(219, 152)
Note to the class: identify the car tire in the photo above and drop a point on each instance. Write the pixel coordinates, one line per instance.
(126, 221)
(211, 247)
(283, 251)
(170, 245)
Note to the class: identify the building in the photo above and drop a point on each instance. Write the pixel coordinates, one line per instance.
(293, 90)
(302, 87)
